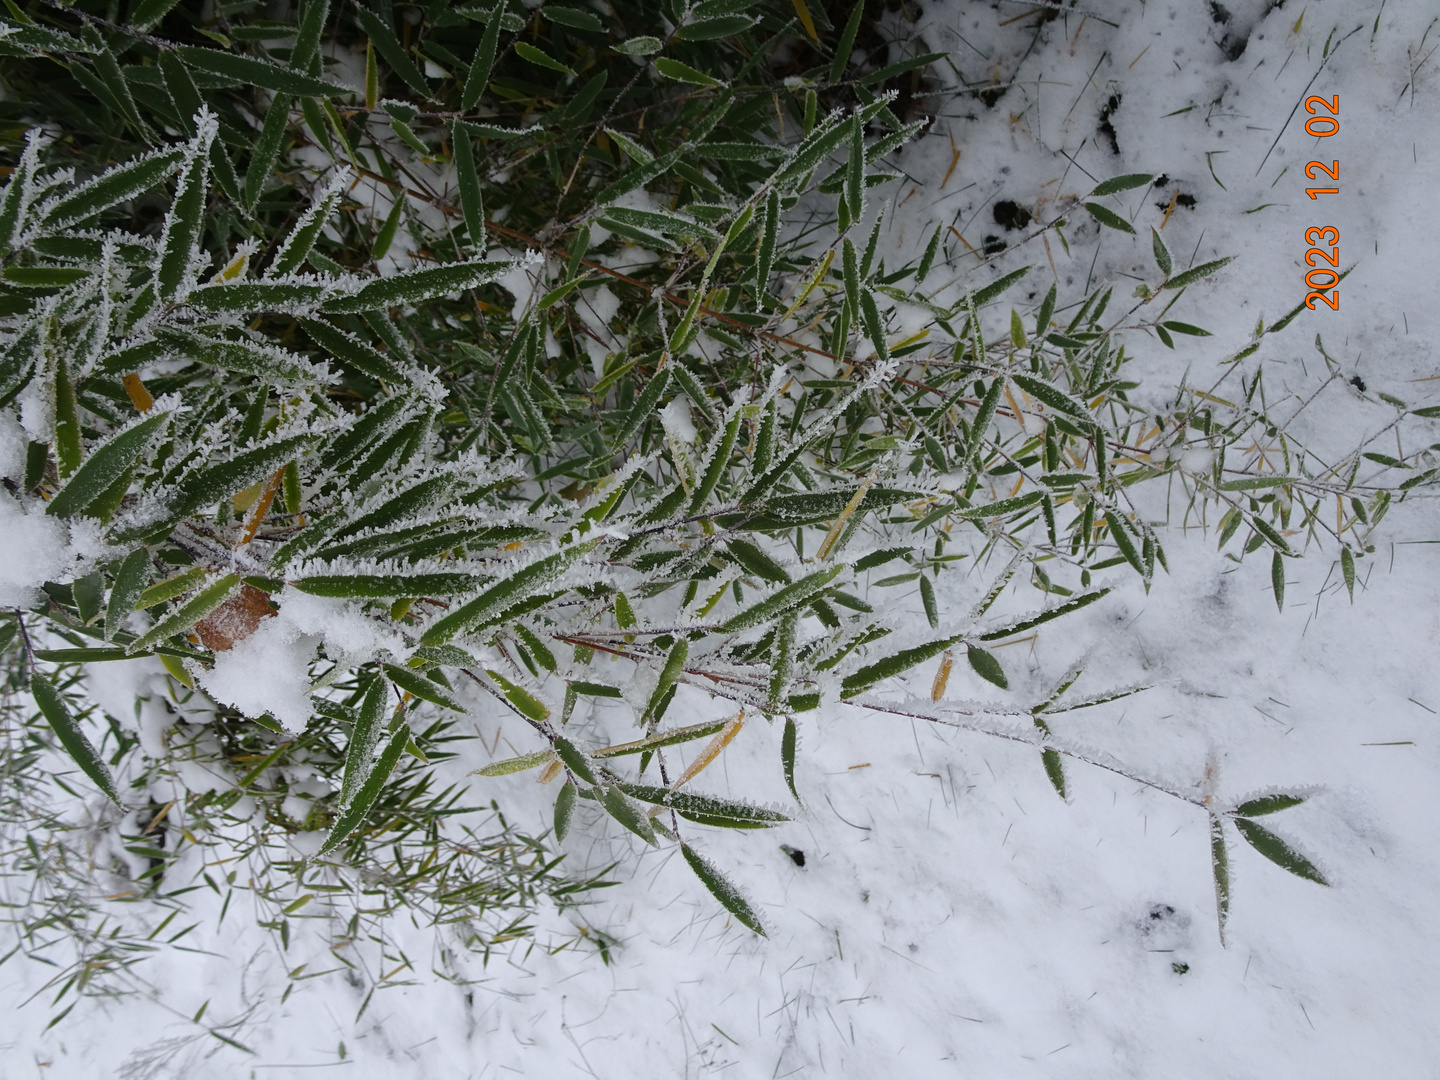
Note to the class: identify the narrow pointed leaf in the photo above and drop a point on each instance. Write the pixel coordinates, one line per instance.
(369, 791)
(1277, 851)
(731, 899)
(188, 614)
(106, 464)
(71, 737)
(130, 582)
(986, 666)
(364, 738)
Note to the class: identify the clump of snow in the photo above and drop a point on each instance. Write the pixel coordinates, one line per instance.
(268, 672)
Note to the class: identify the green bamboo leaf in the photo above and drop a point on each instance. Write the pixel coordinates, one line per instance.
(364, 738)
(540, 58)
(518, 764)
(730, 898)
(490, 607)
(209, 485)
(1107, 217)
(644, 45)
(71, 737)
(986, 666)
(674, 667)
(306, 54)
(246, 297)
(983, 416)
(181, 238)
(354, 353)
(472, 205)
(388, 45)
(413, 682)
(418, 286)
(1220, 870)
(361, 586)
(564, 811)
(573, 18)
(521, 698)
(1162, 253)
(889, 666)
(1347, 571)
(267, 146)
(731, 812)
(855, 172)
(927, 598)
(1186, 328)
(791, 596)
(479, 75)
(1265, 529)
(618, 806)
(1122, 183)
(889, 71)
(847, 42)
(1054, 770)
(674, 69)
(574, 760)
(252, 72)
(1277, 851)
(369, 791)
(1277, 579)
(1196, 273)
(105, 465)
(68, 444)
(659, 741)
(130, 582)
(756, 561)
(169, 588)
(1075, 603)
(188, 614)
(721, 449)
(644, 406)
(1268, 804)
(874, 329)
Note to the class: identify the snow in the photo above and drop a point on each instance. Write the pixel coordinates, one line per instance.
(953, 917)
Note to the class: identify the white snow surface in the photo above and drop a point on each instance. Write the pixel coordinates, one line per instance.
(954, 918)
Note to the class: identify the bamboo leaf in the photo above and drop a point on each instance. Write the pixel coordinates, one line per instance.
(618, 806)
(479, 74)
(674, 667)
(1196, 273)
(1277, 579)
(1162, 253)
(364, 738)
(105, 465)
(1075, 603)
(384, 39)
(369, 791)
(413, 682)
(71, 737)
(188, 614)
(674, 69)
(564, 811)
(472, 205)
(489, 607)
(252, 72)
(880, 670)
(787, 755)
(1220, 870)
(1107, 217)
(540, 58)
(987, 667)
(518, 764)
(847, 42)
(417, 286)
(522, 699)
(574, 760)
(1054, 770)
(791, 596)
(710, 29)
(112, 187)
(1277, 851)
(1122, 183)
(1268, 804)
(130, 582)
(730, 898)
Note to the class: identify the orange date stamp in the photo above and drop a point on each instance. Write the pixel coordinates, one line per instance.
(1324, 272)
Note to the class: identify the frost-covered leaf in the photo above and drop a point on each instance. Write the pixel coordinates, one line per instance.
(1278, 851)
(369, 791)
(1268, 804)
(112, 187)
(71, 737)
(418, 286)
(364, 737)
(517, 764)
(188, 614)
(721, 887)
(105, 465)
(249, 71)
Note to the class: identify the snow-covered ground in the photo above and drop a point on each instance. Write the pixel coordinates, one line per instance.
(954, 918)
